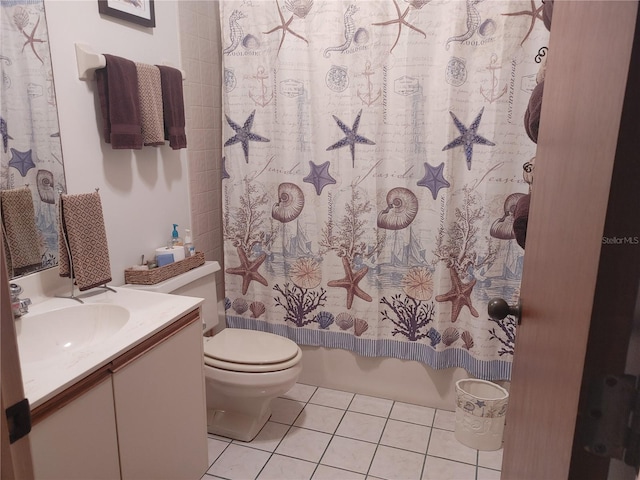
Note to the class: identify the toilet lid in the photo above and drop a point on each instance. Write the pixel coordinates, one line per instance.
(249, 347)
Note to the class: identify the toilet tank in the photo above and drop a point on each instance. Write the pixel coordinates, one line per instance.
(199, 282)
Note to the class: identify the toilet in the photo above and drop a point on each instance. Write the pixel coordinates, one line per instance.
(244, 369)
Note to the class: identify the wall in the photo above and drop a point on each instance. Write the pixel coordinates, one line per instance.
(201, 59)
(143, 191)
(401, 380)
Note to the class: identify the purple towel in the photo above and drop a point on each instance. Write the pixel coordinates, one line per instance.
(547, 13)
(117, 85)
(173, 106)
(521, 218)
(532, 115)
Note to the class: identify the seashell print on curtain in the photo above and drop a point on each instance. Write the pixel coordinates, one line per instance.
(373, 155)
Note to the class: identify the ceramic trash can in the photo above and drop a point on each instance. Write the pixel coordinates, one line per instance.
(480, 410)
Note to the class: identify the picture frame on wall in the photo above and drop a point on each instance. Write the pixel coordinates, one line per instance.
(141, 12)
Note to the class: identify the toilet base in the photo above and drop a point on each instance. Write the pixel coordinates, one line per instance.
(236, 425)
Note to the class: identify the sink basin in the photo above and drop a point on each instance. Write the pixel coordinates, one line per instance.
(49, 334)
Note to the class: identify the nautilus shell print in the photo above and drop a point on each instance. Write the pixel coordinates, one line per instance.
(44, 180)
(402, 208)
(290, 202)
(502, 228)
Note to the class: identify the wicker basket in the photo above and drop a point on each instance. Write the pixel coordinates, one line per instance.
(160, 274)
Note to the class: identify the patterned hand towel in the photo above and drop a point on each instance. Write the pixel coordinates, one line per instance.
(83, 224)
(63, 255)
(22, 241)
(150, 93)
(173, 105)
(117, 85)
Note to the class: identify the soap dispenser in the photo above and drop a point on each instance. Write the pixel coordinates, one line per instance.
(175, 238)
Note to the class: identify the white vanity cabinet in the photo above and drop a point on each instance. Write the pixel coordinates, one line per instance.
(161, 410)
(79, 440)
(141, 416)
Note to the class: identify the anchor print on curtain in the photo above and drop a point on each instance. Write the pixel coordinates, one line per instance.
(372, 162)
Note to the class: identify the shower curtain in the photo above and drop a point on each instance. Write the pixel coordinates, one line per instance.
(373, 157)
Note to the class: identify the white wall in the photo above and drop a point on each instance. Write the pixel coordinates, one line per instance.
(402, 380)
(143, 191)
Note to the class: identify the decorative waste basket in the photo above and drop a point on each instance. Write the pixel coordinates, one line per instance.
(480, 410)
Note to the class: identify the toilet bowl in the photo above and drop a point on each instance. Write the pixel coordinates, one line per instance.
(244, 370)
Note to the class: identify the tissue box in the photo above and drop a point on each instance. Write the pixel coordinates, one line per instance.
(164, 259)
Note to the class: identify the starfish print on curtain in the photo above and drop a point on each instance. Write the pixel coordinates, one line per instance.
(350, 283)
(21, 161)
(31, 40)
(351, 137)
(459, 295)
(468, 136)
(319, 176)
(401, 21)
(433, 179)
(535, 13)
(284, 26)
(244, 135)
(248, 270)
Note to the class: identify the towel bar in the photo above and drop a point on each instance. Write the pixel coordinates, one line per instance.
(88, 62)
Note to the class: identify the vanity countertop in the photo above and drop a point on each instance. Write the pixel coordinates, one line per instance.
(148, 314)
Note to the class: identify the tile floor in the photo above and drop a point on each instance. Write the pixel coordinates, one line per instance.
(321, 434)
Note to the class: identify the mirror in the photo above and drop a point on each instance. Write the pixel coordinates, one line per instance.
(31, 151)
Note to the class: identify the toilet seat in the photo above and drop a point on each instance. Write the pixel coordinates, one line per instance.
(250, 351)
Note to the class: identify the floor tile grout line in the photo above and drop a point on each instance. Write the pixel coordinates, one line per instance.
(219, 455)
(379, 439)
(426, 453)
(333, 435)
(272, 453)
(452, 460)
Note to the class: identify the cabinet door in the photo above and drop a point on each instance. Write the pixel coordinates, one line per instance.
(79, 440)
(161, 409)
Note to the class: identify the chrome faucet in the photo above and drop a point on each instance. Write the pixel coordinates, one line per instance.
(18, 306)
